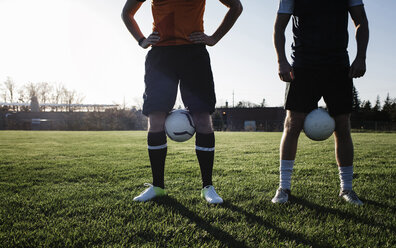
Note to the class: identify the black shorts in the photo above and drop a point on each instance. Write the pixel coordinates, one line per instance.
(166, 67)
(310, 84)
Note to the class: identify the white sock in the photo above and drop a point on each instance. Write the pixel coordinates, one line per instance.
(346, 175)
(285, 169)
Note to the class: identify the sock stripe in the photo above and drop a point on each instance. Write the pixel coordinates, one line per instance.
(158, 147)
(204, 149)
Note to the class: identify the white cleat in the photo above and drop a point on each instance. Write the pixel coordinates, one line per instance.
(150, 193)
(209, 194)
(281, 196)
(350, 197)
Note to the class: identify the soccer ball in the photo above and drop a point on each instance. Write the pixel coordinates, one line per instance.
(319, 125)
(179, 125)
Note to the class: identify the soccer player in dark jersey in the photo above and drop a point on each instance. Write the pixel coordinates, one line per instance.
(320, 68)
(179, 55)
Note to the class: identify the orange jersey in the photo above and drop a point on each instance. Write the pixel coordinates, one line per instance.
(175, 20)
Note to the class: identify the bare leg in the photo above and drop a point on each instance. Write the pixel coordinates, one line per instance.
(203, 122)
(343, 141)
(294, 123)
(156, 122)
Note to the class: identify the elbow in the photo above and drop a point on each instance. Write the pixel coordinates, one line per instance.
(363, 27)
(235, 9)
(239, 9)
(124, 15)
(363, 23)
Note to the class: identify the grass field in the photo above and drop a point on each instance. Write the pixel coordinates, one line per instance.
(75, 189)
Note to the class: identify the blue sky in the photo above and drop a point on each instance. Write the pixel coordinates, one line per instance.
(84, 45)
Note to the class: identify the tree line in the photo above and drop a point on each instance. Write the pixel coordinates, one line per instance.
(364, 110)
(55, 93)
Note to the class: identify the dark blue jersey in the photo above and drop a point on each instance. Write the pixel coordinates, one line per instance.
(320, 32)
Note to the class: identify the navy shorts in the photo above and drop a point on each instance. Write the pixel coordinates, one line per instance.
(311, 84)
(166, 67)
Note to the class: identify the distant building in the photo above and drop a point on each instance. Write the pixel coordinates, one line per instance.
(32, 116)
(107, 117)
(252, 119)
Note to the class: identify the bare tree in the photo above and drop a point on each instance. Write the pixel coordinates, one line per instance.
(263, 104)
(72, 97)
(44, 90)
(57, 94)
(10, 87)
(3, 93)
(31, 90)
(138, 103)
(68, 98)
(246, 104)
(79, 98)
(23, 96)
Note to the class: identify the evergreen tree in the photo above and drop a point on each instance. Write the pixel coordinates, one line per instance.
(366, 106)
(387, 104)
(389, 108)
(356, 101)
(377, 106)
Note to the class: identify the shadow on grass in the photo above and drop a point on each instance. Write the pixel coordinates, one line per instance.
(344, 215)
(222, 236)
(284, 234)
(392, 209)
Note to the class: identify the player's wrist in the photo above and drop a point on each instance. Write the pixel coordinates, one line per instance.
(214, 39)
(282, 61)
(141, 40)
(361, 57)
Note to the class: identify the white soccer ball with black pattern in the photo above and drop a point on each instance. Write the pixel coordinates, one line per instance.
(319, 125)
(179, 125)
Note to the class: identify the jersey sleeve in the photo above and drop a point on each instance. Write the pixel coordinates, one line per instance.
(352, 3)
(286, 7)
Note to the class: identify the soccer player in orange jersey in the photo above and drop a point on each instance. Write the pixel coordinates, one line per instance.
(179, 55)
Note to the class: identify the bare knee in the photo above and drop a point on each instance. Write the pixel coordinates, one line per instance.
(156, 122)
(343, 126)
(203, 122)
(294, 123)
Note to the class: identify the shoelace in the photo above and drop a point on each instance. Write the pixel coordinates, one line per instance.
(283, 192)
(149, 187)
(353, 195)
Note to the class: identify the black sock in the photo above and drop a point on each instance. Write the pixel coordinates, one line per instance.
(157, 148)
(204, 148)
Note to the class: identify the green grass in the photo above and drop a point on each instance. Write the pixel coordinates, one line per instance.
(75, 189)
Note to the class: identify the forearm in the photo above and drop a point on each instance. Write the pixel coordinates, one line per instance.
(279, 43)
(131, 24)
(362, 39)
(229, 20)
(279, 36)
